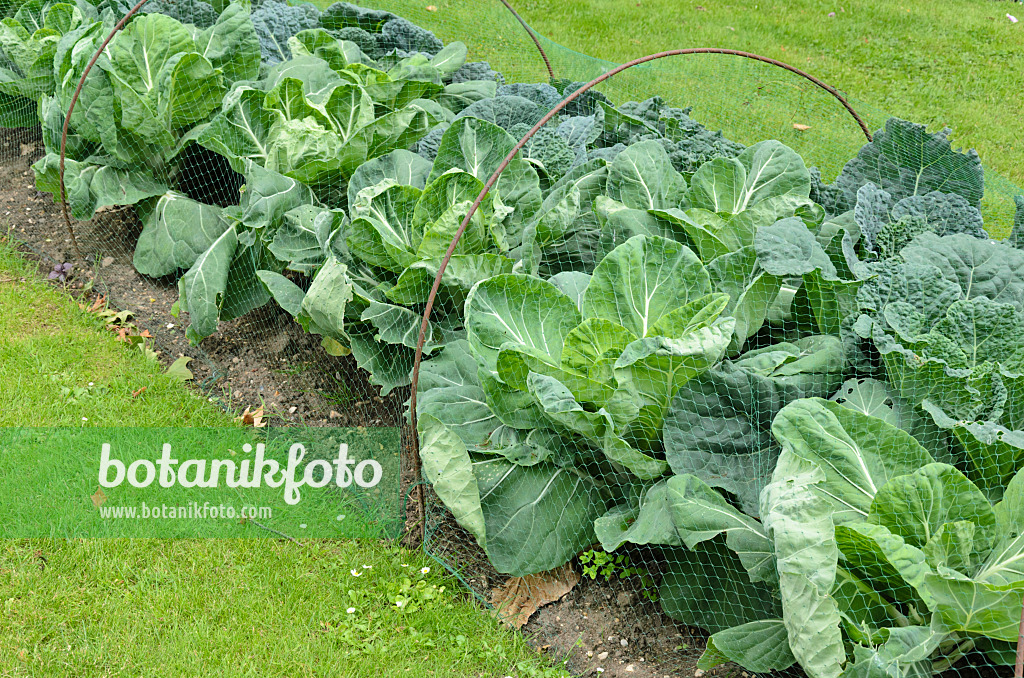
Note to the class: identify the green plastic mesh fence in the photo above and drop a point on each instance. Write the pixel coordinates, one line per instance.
(747, 401)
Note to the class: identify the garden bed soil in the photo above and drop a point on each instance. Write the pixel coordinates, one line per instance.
(597, 625)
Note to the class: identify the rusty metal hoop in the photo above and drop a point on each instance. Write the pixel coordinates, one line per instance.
(533, 36)
(416, 462)
(67, 120)
(118, 27)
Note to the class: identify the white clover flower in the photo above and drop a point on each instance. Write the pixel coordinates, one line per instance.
(424, 570)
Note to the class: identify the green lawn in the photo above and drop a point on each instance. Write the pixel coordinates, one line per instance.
(242, 607)
(953, 63)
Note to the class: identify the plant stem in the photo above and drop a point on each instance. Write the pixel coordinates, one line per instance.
(900, 618)
(942, 664)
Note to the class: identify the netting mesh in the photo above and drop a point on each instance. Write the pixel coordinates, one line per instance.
(734, 401)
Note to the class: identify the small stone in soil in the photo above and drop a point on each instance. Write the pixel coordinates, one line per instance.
(602, 656)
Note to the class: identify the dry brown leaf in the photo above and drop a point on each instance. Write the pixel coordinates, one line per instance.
(801, 128)
(252, 418)
(520, 597)
(431, 8)
(136, 394)
(99, 498)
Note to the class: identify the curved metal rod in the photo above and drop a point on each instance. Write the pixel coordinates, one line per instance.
(522, 142)
(67, 120)
(533, 36)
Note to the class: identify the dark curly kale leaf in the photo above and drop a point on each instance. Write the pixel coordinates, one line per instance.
(428, 145)
(504, 111)
(276, 21)
(541, 93)
(905, 160)
(888, 225)
(1017, 234)
(688, 143)
(829, 196)
(548, 148)
(585, 104)
(477, 70)
(196, 12)
(379, 33)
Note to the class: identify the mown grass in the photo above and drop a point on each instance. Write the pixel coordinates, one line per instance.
(47, 344)
(241, 608)
(225, 607)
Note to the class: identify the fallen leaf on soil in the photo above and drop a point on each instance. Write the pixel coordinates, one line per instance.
(252, 418)
(520, 597)
(334, 347)
(98, 304)
(801, 128)
(99, 498)
(179, 369)
(136, 394)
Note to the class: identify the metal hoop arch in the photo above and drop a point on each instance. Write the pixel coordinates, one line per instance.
(120, 24)
(67, 120)
(515, 150)
(533, 36)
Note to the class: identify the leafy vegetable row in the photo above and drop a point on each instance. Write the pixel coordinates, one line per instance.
(803, 398)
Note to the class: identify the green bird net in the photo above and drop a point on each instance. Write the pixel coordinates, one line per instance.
(707, 379)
